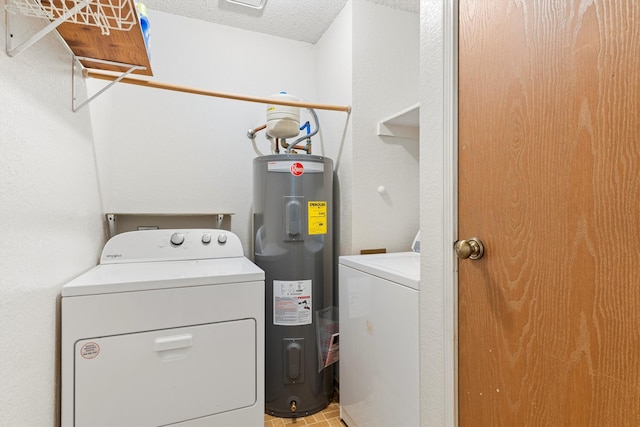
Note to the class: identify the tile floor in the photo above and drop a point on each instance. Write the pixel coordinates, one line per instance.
(328, 417)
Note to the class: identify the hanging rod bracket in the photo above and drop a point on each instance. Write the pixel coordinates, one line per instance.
(130, 68)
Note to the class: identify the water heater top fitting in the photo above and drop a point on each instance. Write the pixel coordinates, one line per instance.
(283, 121)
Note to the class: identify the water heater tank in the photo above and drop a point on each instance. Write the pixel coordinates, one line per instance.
(283, 121)
(293, 244)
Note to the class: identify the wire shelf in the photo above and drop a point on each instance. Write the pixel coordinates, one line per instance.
(105, 14)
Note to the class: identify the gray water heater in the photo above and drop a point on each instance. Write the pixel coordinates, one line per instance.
(293, 244)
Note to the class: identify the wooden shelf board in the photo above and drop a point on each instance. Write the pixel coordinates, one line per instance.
(126, 47)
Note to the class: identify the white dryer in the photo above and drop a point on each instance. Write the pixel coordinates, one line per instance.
(167, 329)
(379, 340)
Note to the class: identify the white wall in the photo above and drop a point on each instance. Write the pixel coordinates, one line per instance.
(385, 81)
(335, 68)
(50, 219)
(170, 152)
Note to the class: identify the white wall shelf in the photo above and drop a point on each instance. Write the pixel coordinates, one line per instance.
(404, 124)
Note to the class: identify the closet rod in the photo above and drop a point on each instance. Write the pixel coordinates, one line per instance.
(177, 88)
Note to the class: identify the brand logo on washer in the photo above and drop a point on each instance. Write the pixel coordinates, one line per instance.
(296, 169)
(113, 255)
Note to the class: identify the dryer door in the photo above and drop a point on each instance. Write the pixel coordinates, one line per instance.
(166, 376)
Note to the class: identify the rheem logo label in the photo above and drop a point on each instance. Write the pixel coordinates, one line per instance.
(296, 169)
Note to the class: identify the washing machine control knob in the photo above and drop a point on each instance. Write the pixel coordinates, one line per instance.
(222, 239)
(177, 239)
(206, 238)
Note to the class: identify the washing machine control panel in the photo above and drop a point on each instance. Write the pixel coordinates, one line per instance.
(171, 245)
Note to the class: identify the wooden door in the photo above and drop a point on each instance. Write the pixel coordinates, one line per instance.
(549, 180)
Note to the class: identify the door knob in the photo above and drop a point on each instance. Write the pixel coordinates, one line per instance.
(471, 248)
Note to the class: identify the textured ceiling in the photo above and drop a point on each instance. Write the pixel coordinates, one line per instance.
(303, 20)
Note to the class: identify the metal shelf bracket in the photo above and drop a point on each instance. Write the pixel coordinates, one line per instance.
(13, 51)
(77, 65)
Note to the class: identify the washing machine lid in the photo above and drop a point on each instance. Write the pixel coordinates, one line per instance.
(162, 259)
(399, 267)
(113, 278)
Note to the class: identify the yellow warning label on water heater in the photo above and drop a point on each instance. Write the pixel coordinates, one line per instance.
(317, 211)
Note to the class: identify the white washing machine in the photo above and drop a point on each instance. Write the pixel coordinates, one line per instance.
(167, 330)
(379, 339)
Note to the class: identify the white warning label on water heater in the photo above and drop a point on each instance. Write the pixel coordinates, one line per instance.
(292, 302)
